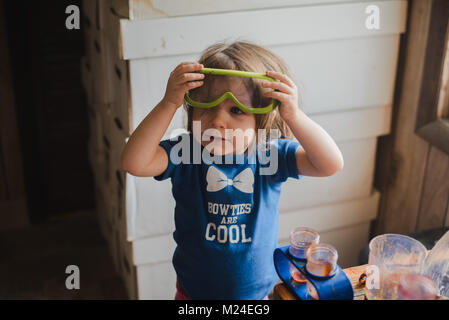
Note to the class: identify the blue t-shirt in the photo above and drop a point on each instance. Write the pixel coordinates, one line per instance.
(226, 217)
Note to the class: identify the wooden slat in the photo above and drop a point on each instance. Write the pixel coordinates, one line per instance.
(319, 67)
(428, 124)
(330, 216)
(183, 35)
(355, 105)
(434, 62)
(436, 133)
(403, 155)
(144, 9)
(351, 183)
(435, 193)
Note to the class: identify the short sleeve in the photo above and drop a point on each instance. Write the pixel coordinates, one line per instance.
(174, 158)
(286, 160)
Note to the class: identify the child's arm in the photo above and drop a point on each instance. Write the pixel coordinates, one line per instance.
(142, 155)
(318, 155)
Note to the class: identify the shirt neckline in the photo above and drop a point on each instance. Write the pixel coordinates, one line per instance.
(227, 159)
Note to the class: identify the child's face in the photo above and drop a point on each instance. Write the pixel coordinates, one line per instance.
(225, 128)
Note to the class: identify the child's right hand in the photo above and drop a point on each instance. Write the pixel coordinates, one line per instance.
(182, 79)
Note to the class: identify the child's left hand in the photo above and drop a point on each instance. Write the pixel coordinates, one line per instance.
(287, 94)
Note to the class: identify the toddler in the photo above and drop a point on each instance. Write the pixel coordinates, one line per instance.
(226, 178)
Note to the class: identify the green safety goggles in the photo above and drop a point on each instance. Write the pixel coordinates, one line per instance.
(262, 108)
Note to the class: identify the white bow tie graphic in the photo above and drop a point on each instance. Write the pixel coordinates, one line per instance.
(217, 180)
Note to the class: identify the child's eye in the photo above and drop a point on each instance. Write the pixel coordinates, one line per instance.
(236, 110)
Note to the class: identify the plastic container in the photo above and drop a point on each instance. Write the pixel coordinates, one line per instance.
(321, 260)
(436, 265)
(300, 240)
(393, 255)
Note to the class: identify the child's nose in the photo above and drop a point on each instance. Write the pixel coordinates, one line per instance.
(219, 118)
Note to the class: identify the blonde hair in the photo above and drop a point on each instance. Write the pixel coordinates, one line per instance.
(246, 56)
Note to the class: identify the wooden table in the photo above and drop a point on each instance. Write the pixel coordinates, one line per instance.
(281, 292)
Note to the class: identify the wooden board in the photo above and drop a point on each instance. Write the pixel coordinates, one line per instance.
(352, 182)
(435, 193)
(176, 36)
(356, 75)
(411, 173)
(330, 216)
(343, 73)
(156, 9)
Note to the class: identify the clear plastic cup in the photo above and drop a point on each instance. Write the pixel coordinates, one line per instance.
(391, 256)
(436, 265)
(300, 240)
(321, 260)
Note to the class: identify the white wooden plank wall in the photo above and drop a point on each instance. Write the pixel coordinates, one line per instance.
(155, 9)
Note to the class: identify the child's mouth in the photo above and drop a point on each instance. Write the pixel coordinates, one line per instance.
(214, 138)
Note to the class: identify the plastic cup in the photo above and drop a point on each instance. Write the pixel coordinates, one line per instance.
(300, 240)
(392, 256)
(321, 260)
